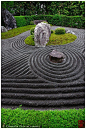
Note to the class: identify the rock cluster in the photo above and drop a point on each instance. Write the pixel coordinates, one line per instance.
(42, 33)
(69, 31)
(9, 20)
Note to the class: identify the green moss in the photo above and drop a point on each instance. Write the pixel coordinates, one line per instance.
(55, 39)
(61, 39)
(16, 31)
(29, 40)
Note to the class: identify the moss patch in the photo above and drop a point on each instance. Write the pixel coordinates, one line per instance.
(61, 39)
(55, 39)
(29, 40)
(16, 31)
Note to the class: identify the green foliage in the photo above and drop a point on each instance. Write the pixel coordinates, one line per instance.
(61, 39)
(69, 21)
(16, 31)
(31, 23)
(8, 5)
(32, 37)
(60, 31)
(69, 8)
(54, 39)
(19, 118)
(28, 19)
(45, 22)
(59, 20)
(32, 30)
(56, 20)
(51, 31)
(20, 21)
(30, 40)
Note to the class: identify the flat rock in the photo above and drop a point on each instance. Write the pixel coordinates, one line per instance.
(56, 56)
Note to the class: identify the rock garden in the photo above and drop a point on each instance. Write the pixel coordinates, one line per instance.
(42, 65)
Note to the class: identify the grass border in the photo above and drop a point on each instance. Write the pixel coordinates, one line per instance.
(41, 119)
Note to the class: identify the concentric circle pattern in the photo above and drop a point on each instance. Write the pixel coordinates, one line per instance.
(30, 79)
(71, 69)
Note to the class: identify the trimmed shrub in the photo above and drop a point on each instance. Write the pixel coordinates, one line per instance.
(56, 20)
(51, 31)
(59, 20)
(32, 30)
(28, 19)
(29, 40)
(32, 36)
(60, 31)
(31, 23)
(20, 21)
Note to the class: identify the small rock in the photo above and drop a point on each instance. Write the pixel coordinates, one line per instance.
(69, 31)
(3, 29)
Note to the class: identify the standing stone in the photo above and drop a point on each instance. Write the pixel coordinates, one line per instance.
(42, 33)
(3, 29)
(9, 20)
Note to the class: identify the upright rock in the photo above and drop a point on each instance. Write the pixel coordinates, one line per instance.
(42, 33)
(9, 20)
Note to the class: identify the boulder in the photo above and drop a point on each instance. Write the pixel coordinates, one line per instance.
(9, 20)
(42, 33)
(3, 29)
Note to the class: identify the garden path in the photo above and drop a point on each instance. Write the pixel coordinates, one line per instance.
(31, 80)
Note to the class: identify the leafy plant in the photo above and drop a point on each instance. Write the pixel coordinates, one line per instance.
(51, 31)
(31, 23)
(69, 8)
(32, 30)
(59, 20)
(19, 118)
(20, 21)
(60, 31)
(54, 39)
(45, 22)
(30, 40)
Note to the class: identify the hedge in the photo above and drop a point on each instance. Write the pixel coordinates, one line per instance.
(20, 21)
(59, 20)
